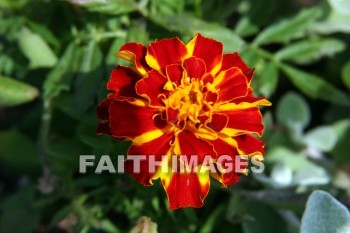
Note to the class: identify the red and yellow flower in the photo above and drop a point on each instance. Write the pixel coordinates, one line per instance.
(189, 100)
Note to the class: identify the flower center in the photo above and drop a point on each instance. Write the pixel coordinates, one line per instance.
(187, 98)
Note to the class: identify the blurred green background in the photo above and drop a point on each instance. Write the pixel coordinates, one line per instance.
(55, 60)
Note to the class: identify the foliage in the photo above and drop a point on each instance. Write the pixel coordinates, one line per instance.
(55, 59)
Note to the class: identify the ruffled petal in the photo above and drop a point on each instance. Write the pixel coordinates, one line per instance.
(251, 101)
(225, 161)
(250, 145)
(136, 121)
(186, 189)
(195, 67)
(175, 73)
(231, 84)
(209, 50)
(189, 145)
(240, 121)
(165, 52)
(134, 53)
(158, 148)
(234, 60)
(218, 122)
(151, 88)
(122, 82)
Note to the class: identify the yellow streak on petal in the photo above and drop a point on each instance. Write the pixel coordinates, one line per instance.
(243, 105)
(216, 68)
(164, 171)
(152, 62)
(190, 47)
(203, 175)
(151, 135)
(130, 57)
(206, 133)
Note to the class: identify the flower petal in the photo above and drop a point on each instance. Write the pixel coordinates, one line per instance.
(187, 144)
(209, 50)
(102, 109)
(218, 122)
(175, 73)
(231, 84)
(151, 87)
(234, 60)
(136, 121)
(134, 53)
(103, 128)
(122, 82)
(249, 145)
(243, 121)
(186, 189)
(165, 52)
(251, 101)
(226, 173)
(195, 67)
(158, 148)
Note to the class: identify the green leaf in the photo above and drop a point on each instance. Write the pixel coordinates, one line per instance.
(324, 214)
(89, 77)
(167, 7)
(305, 172)
(112, 7)
(190, 25)
(308, 51)
(346, 74)
(36, 49)
(322, 138)
(281, 174)
(209, 224)
(288, 29)
(18, 159)
(245, 27)
(293, 111)
(13, 92)
(314, 86)
(341, 148)
(340, 5)
(19, 214)
(267, 79)
(60, 77)
(335, 22)
(259, 218)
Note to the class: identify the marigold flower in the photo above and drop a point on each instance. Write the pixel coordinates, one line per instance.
(190, 100)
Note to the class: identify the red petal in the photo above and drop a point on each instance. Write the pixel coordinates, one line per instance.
(151, 87)
(122, 82)
(249, 144)
(195, 67)
(102, 109)
(218, 122)
(165, 52)
(186, 189)
(234, 60)
(209, 50)
(222, 148)
(103, 128)
(231, 84)
(135, 120)
(243, 120)
(249, 98)
(157, 148)
(136, 54)
(172, 115)
(174, 73)
(188, 144)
